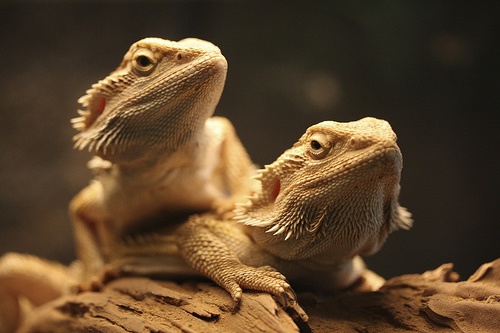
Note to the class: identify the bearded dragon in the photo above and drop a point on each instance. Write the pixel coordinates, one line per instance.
(324, 202)
(158, 153)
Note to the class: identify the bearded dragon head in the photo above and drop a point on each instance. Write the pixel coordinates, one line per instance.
(154, 103)
(335, 192)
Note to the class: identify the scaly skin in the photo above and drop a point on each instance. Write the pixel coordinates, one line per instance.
(330, 198)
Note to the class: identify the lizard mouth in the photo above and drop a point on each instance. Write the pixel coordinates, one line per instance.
(92, 109)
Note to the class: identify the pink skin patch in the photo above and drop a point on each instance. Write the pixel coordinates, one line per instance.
(97, 109)
(276, 189)
(102, 105)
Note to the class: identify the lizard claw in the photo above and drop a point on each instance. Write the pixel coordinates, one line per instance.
(236, 296)
(293, 308)
(288, 300)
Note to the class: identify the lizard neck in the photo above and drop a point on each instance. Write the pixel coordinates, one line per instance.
(157, 169)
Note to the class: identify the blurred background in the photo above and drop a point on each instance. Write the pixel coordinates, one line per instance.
(428, 67)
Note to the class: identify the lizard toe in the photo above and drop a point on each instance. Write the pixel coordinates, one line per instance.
(265, 279)
(234, 289)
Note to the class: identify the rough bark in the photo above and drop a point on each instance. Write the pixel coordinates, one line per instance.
(430, 302)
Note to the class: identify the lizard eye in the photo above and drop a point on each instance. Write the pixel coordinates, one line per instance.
(319, 146)
(143, 63)
(315, 145)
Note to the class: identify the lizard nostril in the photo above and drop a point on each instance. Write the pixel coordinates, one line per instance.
(358, 143)
(219, 63)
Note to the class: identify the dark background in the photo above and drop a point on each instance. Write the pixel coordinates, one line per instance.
(429, 67)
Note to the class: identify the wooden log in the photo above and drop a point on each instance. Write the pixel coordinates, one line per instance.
(430, 302)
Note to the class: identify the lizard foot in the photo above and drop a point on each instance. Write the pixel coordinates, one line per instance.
(263, 278)
(266, 279)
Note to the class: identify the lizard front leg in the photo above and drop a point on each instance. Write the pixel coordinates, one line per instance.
(214, 248)
(89, 227)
